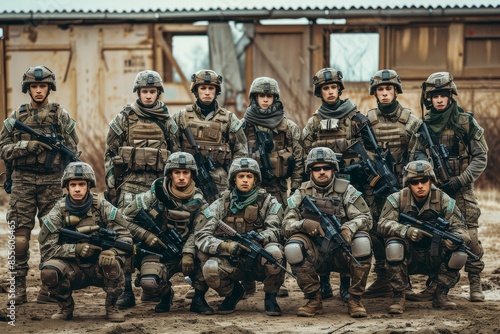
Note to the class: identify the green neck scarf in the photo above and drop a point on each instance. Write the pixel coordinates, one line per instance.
(240, 200)
(438, 120)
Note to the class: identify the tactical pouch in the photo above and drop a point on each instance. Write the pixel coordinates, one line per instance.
(329, 124)
(283, 163)
(179, 221)
(126, 153)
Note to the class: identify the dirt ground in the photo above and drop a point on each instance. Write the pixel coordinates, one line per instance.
(249, 317)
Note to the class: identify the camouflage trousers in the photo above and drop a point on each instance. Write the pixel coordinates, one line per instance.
(466, 201)
(229, 270)
(319, 263)
(420, 261)
(72, 276)
(33, 195)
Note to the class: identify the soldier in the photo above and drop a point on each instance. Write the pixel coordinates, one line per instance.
(216, 131)
(280, 144)
(175, 202)
(138, 143)
(336, 197)
(36, 167)
(464, 139)
(72, 266)
(332, 126)
(394, 127)
(245, 207)
(407, 250)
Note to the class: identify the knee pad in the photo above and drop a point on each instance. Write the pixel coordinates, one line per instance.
(52, 272)
(457, 260)
(150, 283)
(475, 245)
(22, 237)
(276, 251)
(152, 274)
(295, 251)
(395, 251)
(361, 246)
(112, 271)
(211, 273)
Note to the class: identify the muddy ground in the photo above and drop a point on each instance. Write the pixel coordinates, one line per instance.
(249, 317)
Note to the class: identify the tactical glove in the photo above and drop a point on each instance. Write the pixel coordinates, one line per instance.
(346, 233)
(86, 250)
(313, 228)
(452, 186)
(449, 244)
(187, 264)
(414, 234)
(232, 247)
(35, 146)
(108, 258)
(153, 241)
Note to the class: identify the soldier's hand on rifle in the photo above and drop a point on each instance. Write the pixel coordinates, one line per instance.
(449, 244)
(414, 234)
(86, 250)
(35, 146)
(187, 264)
(153, 241)
(346, 233)
(108, 258)
(452, 186)
(233, 247)
(313, 228)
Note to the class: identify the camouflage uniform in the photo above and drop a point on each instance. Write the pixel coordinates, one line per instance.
(338, 198)
(286, 155)
(416, 257)
(170, 212)
(35, 185)
(260, 212)
(394, 127)
(464, 139)
(63, 268)
(217, 131)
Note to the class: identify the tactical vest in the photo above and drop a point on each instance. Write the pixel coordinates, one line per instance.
(332, 204)
(211, 136)
(458, 150)
(46, 122)
(392, 134)
(145, 146)
(251, 218)
(334, 133)
(281, 156)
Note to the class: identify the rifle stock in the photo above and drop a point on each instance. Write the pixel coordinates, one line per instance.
(439, 155)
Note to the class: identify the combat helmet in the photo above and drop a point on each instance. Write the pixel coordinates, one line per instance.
(36, 74)
(418, 169)
(264, 85)
(243, 165)
(321, 154)
(180, 160)
(437, 82)
(78, 170)
(206, 77)
(148, 78)
(327, 76)
(385, 77)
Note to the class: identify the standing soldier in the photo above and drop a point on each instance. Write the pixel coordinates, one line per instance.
(413, 251)
(394, 127)
(332, 196)
(71, 266)
(138, 143)
(246, 208)
(174, 202)
(464, 140)
(217, 132)
(36, 167)
(332, 126)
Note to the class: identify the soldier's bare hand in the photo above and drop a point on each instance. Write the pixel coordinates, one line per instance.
(346, 233)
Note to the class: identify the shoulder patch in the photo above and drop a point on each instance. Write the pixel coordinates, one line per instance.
(50, 226)
(393, 202)
(275, 207)
(9, 123)
(140, 201)
(173, 127)
(235, 124)
(479, 132)
(451, 205)
(71, 126)
(112, 214)
(115, 127)
(209, 212)
(294, 200)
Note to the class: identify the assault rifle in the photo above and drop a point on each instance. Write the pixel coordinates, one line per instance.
(331, 225)
(437, 232)
(439, 155)
(255, 250)
(169, 236)
(104, 238)
(51, 140)
(203, 178)
(265, 146)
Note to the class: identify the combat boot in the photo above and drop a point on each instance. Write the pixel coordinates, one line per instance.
(424, 295)
(398, 303)
(325, 287)
(165, 302)
(199, 304)
(476, 291)
(127, 298)
(147, 297)
(380, 288)
(313, 306)
(345, 284)
(441, 300)
(271, 305)
(20, 294)
(355, 307)
(44, 296)
(229, 303)
(250, 287)
(65, 310)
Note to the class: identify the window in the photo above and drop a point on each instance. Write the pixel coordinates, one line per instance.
(482, 45)
(356, 55)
